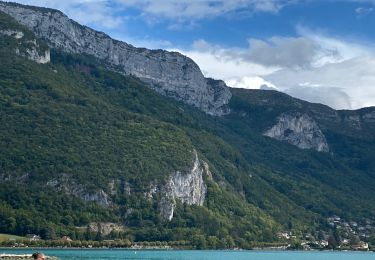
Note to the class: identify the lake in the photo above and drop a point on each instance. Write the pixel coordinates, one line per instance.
(108, 254)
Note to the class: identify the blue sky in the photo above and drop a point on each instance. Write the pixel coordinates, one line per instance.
(320, 51)
(340, 19)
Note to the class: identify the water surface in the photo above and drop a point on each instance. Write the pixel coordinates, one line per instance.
(114, 254)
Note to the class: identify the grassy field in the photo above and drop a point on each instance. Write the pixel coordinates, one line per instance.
(5, 237)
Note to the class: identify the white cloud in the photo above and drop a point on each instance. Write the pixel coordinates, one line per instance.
(262, 57)
(334, 97)
(199, 9)
(283, 51)
(99, 13)
(103, 12)
(363, 11)
(342, 49)
(250, 83)
(270, 6)
(178, 14)
(347, 84)
(314, 67)
(223, 63)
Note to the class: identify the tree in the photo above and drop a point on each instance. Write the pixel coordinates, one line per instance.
(212, 242)
(199, 241)
(321, 235)
(372, 240)
(337, 236)
(354, 240)
(50, 233)
(332, 243)
(99, 236)
(229, 242)
(8, 224)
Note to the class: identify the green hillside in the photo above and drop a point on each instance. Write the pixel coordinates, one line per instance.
(6, 237)
(72, 121)
(340, 182)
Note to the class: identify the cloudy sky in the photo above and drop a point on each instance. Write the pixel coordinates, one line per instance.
(319, 50)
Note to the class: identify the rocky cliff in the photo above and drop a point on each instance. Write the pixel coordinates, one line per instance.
(24, 45)
(168, 73)
(369, 117)
(65, 184)
(188, 188)
(105, 228)
(299, 130)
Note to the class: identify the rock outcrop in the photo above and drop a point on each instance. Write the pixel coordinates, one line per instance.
(68, 186)
(189, 188)
(353, 121)
(169, 73)
(34, 54)
(105, 228)
(14, 178)
(15, 34)
(369, 117)
(27, 48)
(299, 130)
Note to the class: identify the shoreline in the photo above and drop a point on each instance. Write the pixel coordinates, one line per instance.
(175, 249)
(23, 256)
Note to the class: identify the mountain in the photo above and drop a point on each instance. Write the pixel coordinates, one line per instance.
(169, 73)
(143, 147)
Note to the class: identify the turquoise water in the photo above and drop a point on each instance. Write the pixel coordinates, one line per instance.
(107, 254)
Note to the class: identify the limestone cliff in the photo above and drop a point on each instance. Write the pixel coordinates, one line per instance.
(105, 228)
(28, 48)
(68, 186)
(353, 121)
(169, 73)
(369, 117)
(188, 188)
(299, 130)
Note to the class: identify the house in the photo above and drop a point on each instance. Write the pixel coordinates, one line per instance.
(66, 238)
(345, 242)
(33, 237)
(285, 235)
(324, 243)
(363, 246)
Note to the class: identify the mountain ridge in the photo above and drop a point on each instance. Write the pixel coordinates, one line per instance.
(35, 26)
(169, 73)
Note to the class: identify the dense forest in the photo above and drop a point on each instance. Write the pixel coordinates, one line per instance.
(75, 122)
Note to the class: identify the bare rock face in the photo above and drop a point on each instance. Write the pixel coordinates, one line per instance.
(68, 186)
(369, 117)
(15, 34)
(105, 228)
(27, 48)
(353, 121)
(299, 130)
(6, 177)
(166, 207)
(34, 55)
(112, 187)
(169, 73)
(188, 188)
(152, 190)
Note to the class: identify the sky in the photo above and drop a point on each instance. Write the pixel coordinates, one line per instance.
(322, 51)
